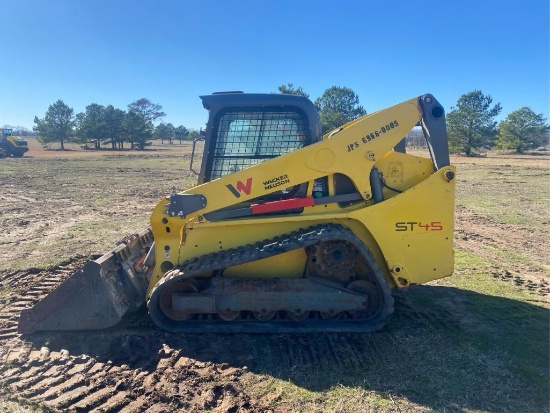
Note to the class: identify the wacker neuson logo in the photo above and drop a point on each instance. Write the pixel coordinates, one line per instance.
(246, 188)
(275, 182)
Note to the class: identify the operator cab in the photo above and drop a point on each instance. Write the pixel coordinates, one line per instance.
(247, 129)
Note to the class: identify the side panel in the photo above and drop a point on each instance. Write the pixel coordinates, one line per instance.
(415, 230)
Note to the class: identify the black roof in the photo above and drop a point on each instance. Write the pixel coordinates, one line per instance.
(256, 99)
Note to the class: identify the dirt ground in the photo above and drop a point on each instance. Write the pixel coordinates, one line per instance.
(59, 209)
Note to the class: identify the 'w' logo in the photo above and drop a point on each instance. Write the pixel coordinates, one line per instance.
(246, 188)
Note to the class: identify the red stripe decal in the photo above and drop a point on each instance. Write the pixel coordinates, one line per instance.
(283, 205)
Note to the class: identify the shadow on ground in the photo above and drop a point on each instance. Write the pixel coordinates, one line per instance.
(445, 348)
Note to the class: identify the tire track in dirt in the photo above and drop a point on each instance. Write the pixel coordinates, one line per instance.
(488, 239)
(82, 383)
(146, 374)
(24, 289)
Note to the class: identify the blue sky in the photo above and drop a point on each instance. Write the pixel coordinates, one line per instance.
(115, 52)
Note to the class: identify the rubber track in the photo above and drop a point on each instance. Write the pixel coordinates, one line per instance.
(264, 249)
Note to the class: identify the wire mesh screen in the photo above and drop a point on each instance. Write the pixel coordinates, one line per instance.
(247, 138)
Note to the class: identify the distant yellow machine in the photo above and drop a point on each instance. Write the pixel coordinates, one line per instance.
(12, 145)
(287, 231)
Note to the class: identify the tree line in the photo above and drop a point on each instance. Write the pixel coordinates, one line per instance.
(108, 125)
(471, 124)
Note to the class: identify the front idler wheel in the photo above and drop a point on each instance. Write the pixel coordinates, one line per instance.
(165, 300)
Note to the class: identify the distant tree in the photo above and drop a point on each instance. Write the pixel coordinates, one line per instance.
(57, 125)
(114, 126)
(471, 124)
(522, 130)
(138, 130)
(181, 133)
(151, 111)
(165, 131)
(337, 106)
(415, 138)
(20, 131)
(91, 126)
(193, 134)
(78, 131)
(289, 89)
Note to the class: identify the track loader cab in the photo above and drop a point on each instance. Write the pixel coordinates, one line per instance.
(247, 129)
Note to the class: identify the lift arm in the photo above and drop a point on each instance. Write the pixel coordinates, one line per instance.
(352, 151)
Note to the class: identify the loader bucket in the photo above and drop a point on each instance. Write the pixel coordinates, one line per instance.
(96, 296)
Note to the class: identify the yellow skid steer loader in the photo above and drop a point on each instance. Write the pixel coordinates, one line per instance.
(287, 230)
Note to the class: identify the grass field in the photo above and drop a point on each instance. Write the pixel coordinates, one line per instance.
(477, 341)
